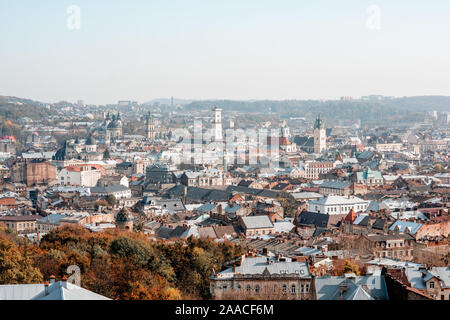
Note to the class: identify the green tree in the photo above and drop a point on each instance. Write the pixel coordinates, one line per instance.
(106, 154)
(111, 200)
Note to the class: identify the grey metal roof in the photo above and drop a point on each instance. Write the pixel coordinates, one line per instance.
(341, 185)
(56, 291)
(258, 265)
(109, 189)
(257, 222)
(418, 277)
(368, 287)
(207, 207)
(170, 204)
(406, 226)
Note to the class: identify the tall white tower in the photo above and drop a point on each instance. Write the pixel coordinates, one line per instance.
(150, 127)
(217, 124)
(320, 136)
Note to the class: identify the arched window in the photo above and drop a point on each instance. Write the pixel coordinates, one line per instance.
(249, 288)
(284, 288)
(293, 289)
(257, 289)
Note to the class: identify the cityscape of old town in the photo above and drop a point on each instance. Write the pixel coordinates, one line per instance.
(343, 197)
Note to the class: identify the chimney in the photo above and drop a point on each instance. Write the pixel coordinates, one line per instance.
(64, 282)
(234, 268)
(52, 279)
(46, 288)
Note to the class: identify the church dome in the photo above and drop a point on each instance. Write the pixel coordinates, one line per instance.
(60, 154)
(124, 216)
(91, 141)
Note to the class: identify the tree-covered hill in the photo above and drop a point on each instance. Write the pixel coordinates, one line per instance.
(12, 109)
(408, 108)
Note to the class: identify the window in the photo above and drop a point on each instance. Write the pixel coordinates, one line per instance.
(302, 288)
(431, 285)
(306, 287)
(294, 289)
(257, 289)
(249, 288)
(284, 288)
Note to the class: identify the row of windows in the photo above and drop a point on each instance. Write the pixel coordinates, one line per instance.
(344, 209)
(396, 253)
(304, 288)
(251, 233)
(21, 225)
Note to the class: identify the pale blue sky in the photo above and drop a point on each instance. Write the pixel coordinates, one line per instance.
(227, 49)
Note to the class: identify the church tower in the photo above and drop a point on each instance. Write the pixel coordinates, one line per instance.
(150, 127)
(217, 124)
(320, 136)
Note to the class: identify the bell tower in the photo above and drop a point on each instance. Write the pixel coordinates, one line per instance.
(320, 136)
(217, 124)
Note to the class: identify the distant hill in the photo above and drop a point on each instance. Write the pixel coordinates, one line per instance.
(13, 108)
(408, 108)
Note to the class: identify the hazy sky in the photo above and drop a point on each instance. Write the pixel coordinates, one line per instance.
(224, 49)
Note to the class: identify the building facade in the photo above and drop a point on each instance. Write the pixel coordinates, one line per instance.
(265, 278)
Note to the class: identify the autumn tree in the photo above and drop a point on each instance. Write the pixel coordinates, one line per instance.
(15, 266)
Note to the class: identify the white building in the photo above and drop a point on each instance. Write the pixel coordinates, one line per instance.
(118, 191)
(84, 176)
(338, 205)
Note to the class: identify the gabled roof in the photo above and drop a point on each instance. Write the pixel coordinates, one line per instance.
(368, 287)
(405, 226)
(257, 222)
(319, 220)
(379, 224)
(259, 266)
(207, 207)
(56, 291)
(313, 219)
(340, 185)
(351, 216)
